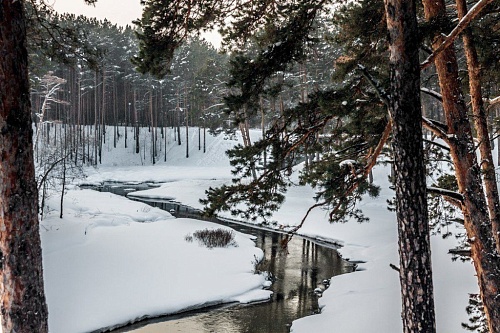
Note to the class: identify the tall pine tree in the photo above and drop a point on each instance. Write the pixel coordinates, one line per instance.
(354, 110)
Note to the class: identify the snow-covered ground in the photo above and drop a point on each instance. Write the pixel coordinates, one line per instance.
(104, 266)
(111, 260)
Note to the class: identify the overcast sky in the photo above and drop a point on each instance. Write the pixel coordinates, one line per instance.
(122, 12)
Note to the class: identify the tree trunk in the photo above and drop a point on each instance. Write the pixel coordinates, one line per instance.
(165, 145)
(21, 287)
(61, 208)
(178, 127)
(415, 270)
(102, 118)
(481, 125)
(127, 110)
(187, 133)
(468, 173)
(115, 113)
(263, 129)
(96, 117)
(136, 119)
(153, 142)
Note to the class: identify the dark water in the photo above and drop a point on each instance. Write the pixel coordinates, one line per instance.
(298, 273)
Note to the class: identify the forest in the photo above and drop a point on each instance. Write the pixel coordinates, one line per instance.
(338, 87)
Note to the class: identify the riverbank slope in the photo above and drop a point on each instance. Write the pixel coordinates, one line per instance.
(371, 293)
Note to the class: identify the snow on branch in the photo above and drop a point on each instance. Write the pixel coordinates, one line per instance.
(434, 143)
(453, 197)
(439, 129)
(384, 96)
(432, 93)
(493, 101)
(371, 161)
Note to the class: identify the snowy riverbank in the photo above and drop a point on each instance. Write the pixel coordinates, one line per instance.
(110, 261)
(110, 234)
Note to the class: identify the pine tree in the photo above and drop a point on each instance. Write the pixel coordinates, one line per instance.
(411, 197)
(21, 289)
(353, 109)
(338, 182)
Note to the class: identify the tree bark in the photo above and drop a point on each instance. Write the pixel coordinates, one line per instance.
(481, 125)
(22, 297)
(411, 198)
(449, 39)
(468, 173)
(136, 119)
(153, 128)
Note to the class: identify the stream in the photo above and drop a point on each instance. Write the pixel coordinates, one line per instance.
(299, 276)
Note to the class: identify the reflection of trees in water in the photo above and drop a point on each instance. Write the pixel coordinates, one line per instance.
(298, 270)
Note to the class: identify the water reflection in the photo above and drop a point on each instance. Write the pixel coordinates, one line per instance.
(296, 273)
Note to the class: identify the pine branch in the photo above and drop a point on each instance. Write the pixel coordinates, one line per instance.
(434, 143)
(436, 127)
(464, 23)
(372, 158)
(292, 232)
(493, 101)
(432, 93)
(460, 252)
(379, 90)
(452, 197)
(394, 267)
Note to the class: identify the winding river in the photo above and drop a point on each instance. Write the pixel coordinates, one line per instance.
(299, 275)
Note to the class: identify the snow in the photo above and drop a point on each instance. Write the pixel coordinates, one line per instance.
(347, 162)
(110, 261)
(104, 266)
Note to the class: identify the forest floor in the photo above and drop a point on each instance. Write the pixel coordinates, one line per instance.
(103, 266)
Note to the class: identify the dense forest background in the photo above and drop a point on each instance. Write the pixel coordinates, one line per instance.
(86, 76)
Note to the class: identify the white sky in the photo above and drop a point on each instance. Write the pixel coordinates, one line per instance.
(121, 12)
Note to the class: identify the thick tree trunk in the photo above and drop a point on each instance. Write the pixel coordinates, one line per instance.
(481, 125)
(415, 269)
(468, 173)
(22, 297)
